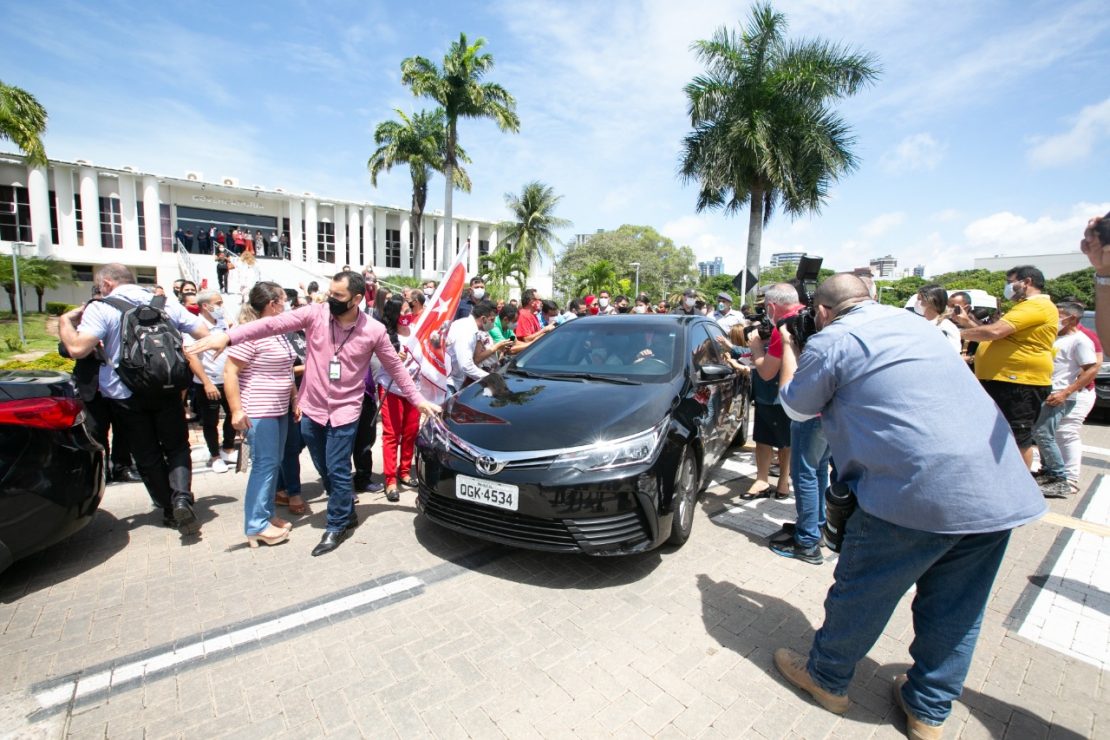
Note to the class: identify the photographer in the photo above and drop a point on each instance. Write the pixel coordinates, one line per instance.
(1096, 245)
(772, 426)
(934, 509)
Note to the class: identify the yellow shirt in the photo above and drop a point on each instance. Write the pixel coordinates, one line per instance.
(1024, 357)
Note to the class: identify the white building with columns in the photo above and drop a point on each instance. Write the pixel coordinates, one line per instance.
(88, 215)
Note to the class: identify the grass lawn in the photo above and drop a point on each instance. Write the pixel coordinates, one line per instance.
(34, 329)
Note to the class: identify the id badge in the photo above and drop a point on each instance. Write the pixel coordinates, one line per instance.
(333, 370)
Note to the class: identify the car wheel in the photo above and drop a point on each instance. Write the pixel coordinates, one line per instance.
(685, 499)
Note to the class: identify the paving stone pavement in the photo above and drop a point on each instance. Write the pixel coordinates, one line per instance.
(409, 630)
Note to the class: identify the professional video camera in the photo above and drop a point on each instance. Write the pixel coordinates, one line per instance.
(803, 324)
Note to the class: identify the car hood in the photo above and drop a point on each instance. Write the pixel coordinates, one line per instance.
(515, 414)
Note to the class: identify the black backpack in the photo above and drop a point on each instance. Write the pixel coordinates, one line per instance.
(151, 361)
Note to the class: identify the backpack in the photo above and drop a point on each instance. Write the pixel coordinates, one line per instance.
(151, 361)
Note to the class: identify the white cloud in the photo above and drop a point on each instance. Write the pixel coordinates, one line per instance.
(882, 224)
(947, 215)
(1091, 127)
(1007, 233)
(914, 153)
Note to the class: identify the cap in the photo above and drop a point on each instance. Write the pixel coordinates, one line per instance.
(723, 296)
(690, 293)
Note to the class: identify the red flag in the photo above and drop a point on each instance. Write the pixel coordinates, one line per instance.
(429, 337)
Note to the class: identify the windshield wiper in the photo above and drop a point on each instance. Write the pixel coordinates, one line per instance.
(526, 373)
(594, 376)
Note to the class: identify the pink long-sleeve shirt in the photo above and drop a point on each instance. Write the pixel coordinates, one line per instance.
(337, 402)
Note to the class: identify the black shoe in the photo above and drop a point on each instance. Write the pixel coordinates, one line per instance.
(1055, 487)
(125, 474)
(392, 495)
(168, 520)
(184, 516)
(373, 488)
(792, 549)
(786, 534)
(330, 541)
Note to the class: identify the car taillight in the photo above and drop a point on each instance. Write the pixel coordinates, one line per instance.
(41, 413)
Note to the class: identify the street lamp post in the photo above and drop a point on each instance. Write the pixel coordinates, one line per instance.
(637, 266)
(15, 275)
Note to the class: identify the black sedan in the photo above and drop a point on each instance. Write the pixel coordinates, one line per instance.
(598, 439)
(51, 470)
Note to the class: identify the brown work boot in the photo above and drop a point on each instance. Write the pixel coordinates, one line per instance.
(915, 728)
(793, 668)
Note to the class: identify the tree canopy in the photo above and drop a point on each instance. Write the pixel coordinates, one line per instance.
(663, 265)
(531, 230)
(23, 122)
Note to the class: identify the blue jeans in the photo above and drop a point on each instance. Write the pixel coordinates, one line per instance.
(267, 440)
(809, 471)
(330, 448)
(1044, 434)
(878, 564)
(289, 474)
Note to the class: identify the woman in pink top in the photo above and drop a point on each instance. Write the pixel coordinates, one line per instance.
(258, 384)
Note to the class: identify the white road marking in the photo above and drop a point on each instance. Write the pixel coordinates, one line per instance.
(1104, 451)
(85, 685)
(1071, 614)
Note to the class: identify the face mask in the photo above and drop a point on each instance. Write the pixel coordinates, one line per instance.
(478, 293)
(1008, 292)
(510, 328)
(622, 309)
(404, 319)
(689, 302)
(721, 307)
(193, 309)
(337, 307)
(217, 313)
(919, 308)
(428, 292)
(603, 302)
(640, 309)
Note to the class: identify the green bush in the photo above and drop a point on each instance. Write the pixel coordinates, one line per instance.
(57, 309)
(49, 361)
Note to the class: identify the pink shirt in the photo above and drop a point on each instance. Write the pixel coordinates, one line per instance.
(265, 383)
(325, 401)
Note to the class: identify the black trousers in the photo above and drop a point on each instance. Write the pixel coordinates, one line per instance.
(210, 419)
(98, 419)
(365, 436)
(221, 277)
(160, 444)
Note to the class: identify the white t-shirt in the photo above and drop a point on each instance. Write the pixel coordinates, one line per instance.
(951, 332)
(213, 363)
(1072, 352)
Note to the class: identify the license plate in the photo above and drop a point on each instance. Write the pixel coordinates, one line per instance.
(488, 492)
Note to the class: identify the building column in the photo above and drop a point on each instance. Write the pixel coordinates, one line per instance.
(129, 213)
(379, 236)
(367, 237)
(90, 208)
(296, 235)
(311, 256)
(441, 247)
(492, 239)
(38, 192)
(67, 209)
(406, 235)
(354, 258)
(472, 258)
(339, 223)
(152, 214)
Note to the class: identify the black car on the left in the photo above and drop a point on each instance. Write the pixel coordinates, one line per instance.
(51, 469)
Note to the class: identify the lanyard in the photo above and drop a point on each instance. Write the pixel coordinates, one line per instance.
(331, 331)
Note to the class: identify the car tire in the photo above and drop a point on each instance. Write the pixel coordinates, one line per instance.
(684, 499)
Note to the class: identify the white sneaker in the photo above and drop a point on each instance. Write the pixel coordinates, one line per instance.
(232, 456)
(218, 465)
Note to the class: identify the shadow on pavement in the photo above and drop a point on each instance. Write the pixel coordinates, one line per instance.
(1084, 594)
(754, 625)
(101, 539)
(543, 569)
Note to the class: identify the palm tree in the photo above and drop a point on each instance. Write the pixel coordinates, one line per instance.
(421, 143)
(458, 87)
(43, 274)
(598, 276)
(502, 265)
(23, 121)
(534, 222)
(763, 132)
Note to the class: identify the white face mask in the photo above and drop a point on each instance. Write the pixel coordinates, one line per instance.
(603, 302)
(919, 308)
(479, 293)
(1008, 292)
(689, 302)
(640, 309)
(217, 313)
(428, 292)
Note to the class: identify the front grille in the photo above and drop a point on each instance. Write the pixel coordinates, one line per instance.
(565, 535)
(533, 463)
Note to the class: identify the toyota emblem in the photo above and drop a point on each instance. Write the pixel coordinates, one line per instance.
(488, 465)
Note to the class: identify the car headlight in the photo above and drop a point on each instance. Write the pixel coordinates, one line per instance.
(607, 454)
(434, 432)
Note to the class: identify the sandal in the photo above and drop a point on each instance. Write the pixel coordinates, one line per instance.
(781, 495)
(280, 499)
(753, 495)
(298, 509)
(409, 481)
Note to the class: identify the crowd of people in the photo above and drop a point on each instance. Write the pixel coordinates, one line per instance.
(237, 240)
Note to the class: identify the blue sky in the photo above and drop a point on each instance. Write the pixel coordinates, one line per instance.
(988, 132)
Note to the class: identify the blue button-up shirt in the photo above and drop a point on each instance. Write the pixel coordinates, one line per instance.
(911, 430)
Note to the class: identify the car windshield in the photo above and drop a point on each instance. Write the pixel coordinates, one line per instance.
(625, 348)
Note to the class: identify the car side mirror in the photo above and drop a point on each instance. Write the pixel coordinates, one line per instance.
(712, 371)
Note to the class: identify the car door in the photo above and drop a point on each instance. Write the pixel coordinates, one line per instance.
(717, 393)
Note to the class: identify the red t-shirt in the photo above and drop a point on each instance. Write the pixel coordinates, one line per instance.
(1098, 348)
(774, 348)
(526, 324)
